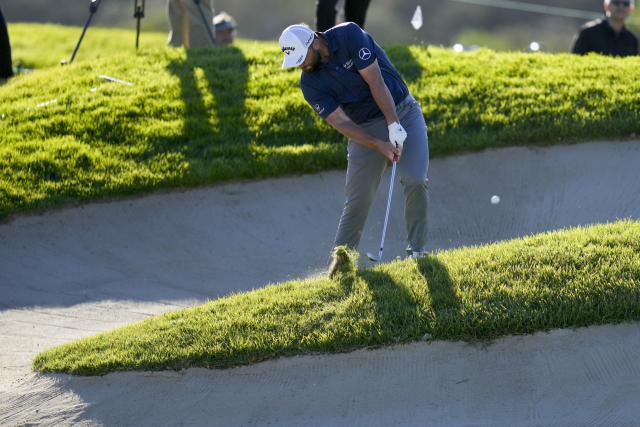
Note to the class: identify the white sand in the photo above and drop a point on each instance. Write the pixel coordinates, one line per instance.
(77, 271)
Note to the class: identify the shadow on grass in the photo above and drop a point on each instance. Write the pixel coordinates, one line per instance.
(442, 292)
(405, 63)
(405, 313)
(222, 139)
(213, 85)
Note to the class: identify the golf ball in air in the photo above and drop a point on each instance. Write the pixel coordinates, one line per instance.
(495, 200)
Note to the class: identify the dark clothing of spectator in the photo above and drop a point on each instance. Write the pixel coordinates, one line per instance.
(6, 69)
(598, 36)
(354, 11)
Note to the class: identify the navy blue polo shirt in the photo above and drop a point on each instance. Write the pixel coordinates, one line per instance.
(337, 83)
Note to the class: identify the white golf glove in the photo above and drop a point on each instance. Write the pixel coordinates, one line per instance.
(397, 134)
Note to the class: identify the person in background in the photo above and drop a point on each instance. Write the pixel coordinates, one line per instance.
(6, 69)
(225, 28)
(186, 24)
(608, 35)
(354, 11)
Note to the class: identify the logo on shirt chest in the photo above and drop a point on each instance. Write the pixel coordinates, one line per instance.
(349, 64)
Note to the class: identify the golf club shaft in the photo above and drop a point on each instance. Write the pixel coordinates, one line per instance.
(386, 217)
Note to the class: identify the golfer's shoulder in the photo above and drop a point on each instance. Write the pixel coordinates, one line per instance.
(344, 32)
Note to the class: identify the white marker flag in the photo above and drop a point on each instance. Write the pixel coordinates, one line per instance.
(416, 21)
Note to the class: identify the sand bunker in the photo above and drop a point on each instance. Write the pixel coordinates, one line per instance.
(78, 271)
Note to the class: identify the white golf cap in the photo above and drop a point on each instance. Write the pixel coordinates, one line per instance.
(294, 42)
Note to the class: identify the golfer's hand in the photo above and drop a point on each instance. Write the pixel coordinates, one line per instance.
(397, 134)
(392, 153)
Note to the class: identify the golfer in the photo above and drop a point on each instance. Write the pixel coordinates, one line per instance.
(349, 81)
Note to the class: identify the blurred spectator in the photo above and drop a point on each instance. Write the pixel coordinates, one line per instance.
(225, 29)
(354, 11)
(608, 36)
(186, 24)
(6, 69)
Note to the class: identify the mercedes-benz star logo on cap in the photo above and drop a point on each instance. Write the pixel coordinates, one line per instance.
(365, 54)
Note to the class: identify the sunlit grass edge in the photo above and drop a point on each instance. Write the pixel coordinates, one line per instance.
(570, 278)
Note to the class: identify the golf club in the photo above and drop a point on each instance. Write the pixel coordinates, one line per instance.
(386, 217)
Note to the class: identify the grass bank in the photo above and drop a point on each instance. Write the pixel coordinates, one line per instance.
(565, 279)
(194, 117)
(45, 45)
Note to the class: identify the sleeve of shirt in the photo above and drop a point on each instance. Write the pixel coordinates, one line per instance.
(321, 101)
(361, 47)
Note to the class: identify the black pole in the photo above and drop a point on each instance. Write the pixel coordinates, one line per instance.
(206, 24)
(92, 9)
(138, 13)
(6, 69)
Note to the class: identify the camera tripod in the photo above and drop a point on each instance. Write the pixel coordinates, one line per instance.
(138, 6)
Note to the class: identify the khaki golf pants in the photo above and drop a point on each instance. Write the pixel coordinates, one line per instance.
(365, 169)
(186, 24)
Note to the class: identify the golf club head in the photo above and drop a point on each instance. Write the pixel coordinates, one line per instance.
(373, 257)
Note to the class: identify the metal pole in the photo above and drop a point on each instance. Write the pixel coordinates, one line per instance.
(93, 9)
(138, 13)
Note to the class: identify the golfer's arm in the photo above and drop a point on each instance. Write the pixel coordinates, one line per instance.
(343, 124)
(380, 91)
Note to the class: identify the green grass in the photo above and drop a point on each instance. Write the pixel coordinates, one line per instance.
(195, 117)
(566, 279)
(45, 45)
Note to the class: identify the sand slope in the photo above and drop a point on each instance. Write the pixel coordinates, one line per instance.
(78, 271)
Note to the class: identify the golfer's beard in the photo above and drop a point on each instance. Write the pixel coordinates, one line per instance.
(315, 64)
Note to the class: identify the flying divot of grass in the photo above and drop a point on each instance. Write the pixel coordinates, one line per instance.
(343, 261)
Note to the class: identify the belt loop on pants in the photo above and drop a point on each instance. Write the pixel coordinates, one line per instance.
(405, 101)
